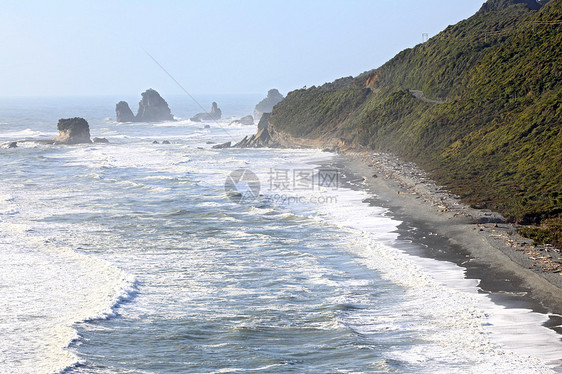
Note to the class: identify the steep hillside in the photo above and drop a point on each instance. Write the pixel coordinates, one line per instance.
(492, 131)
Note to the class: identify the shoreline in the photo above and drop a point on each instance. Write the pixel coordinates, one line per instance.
(510, 261)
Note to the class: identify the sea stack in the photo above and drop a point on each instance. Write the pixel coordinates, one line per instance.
(123, 112)
(152, 108)
(213, 115)
(72, 131)
(267, 104)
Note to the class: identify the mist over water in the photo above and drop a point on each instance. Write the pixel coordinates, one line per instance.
(132, 257)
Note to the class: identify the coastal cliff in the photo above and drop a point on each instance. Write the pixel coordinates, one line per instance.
(478, 107)
(266, 105)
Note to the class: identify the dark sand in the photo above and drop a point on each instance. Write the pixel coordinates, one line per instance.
(513, 271)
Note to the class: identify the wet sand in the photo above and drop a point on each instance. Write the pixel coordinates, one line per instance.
(509, 267)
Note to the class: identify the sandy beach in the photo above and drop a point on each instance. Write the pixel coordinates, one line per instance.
(490, 243)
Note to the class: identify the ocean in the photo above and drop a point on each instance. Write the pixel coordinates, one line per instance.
(135, 257)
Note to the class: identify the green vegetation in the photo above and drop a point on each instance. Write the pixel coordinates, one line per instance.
(497, 140)
(549, 233)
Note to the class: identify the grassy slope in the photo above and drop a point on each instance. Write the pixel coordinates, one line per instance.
(496, 142)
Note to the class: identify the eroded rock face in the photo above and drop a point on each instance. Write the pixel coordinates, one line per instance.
(213, 115)
(267, 104)
(153, 108)
(261, 139)
(73, 131)
(123, 112)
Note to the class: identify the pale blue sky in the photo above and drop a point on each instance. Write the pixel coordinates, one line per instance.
(75, 47)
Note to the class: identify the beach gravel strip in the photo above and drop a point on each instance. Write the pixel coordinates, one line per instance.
(483, 233)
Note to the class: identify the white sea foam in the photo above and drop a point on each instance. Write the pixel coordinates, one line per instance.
(462, 328)
(465, 329)
(23, 134)
(45, 289)
(49, 287)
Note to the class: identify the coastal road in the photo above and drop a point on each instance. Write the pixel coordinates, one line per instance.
(418, 94)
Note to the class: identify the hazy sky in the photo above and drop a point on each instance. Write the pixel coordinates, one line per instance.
(75, 47)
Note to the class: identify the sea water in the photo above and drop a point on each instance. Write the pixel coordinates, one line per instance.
(134, 257)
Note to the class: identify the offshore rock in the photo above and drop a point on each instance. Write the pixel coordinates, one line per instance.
(153, 108)
(223, 145)
(9, 145)
(123, 112)
(100, 140)
(72, 131)
(213, 115)
(246, 121)
(267, 104)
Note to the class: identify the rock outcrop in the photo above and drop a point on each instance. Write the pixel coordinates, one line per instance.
(123, 112)
(267, 104)
(100, 140)
(267, 136)
(223, 145)
(213, 115)
(9, 145)
(246, 121)
(152, 108)
(72, 131)
(262, 138)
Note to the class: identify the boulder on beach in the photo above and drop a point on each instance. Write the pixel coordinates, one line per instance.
(246, 120)
(72, 131)
(213, 115)
(123, 112)
(267, 104)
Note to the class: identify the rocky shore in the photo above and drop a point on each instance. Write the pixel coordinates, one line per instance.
(408, 191)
